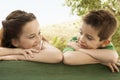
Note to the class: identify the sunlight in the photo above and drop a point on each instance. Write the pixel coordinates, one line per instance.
(47, 11)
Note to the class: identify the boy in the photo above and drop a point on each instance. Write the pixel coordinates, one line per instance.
(93, 45)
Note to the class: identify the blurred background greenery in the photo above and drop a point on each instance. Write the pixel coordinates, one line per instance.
(59, 34)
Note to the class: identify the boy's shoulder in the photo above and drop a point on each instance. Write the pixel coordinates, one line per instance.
(110, 46)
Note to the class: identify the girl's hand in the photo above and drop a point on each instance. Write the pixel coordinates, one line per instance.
(28, 53)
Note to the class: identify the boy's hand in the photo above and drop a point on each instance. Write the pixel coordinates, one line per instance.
(73, 45)
(113, 66)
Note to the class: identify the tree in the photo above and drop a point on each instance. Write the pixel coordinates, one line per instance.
(81, 7)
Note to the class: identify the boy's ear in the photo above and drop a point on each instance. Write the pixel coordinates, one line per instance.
(15, 42)
(105, 43)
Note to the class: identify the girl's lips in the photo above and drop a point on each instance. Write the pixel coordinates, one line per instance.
(37, 47)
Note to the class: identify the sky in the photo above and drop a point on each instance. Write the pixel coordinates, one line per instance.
(47, 11)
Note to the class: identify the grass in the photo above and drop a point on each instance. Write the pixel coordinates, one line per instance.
(59, 34)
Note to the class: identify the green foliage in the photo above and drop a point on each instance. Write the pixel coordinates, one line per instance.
(59, 34)
(116, 40)
(59, 42)
(81, 7)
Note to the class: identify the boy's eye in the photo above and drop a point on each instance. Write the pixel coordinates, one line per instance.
(89, 37)
(81, 33)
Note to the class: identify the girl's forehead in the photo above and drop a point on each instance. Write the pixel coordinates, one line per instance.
(31, 27)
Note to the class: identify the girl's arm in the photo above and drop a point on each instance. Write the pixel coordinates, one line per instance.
(48, 54)
(17, 51)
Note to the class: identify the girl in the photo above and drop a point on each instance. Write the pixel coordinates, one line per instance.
(21, 39)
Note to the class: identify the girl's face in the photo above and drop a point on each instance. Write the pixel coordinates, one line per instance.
(30, 37)
(88, 37)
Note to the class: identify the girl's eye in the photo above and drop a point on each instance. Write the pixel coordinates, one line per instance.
(39, 33)
(31, 37)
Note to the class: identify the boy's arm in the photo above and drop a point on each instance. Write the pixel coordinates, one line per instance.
(103, 55)
(107, 55)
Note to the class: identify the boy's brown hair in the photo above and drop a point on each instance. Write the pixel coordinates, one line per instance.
(103, 21)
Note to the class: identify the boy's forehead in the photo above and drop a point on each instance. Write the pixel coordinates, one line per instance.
(88, 29)
(86, 26)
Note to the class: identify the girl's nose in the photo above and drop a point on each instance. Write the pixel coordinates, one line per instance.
(38, 38)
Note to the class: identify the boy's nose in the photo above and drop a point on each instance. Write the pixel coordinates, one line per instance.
(82, 39)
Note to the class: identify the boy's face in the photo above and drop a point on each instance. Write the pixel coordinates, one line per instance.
(88, 38)
(30, 37)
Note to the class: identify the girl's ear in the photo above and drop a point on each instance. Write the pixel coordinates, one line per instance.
(105, 43)
(15, 42)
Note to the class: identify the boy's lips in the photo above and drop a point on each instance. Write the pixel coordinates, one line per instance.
(82, 46)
